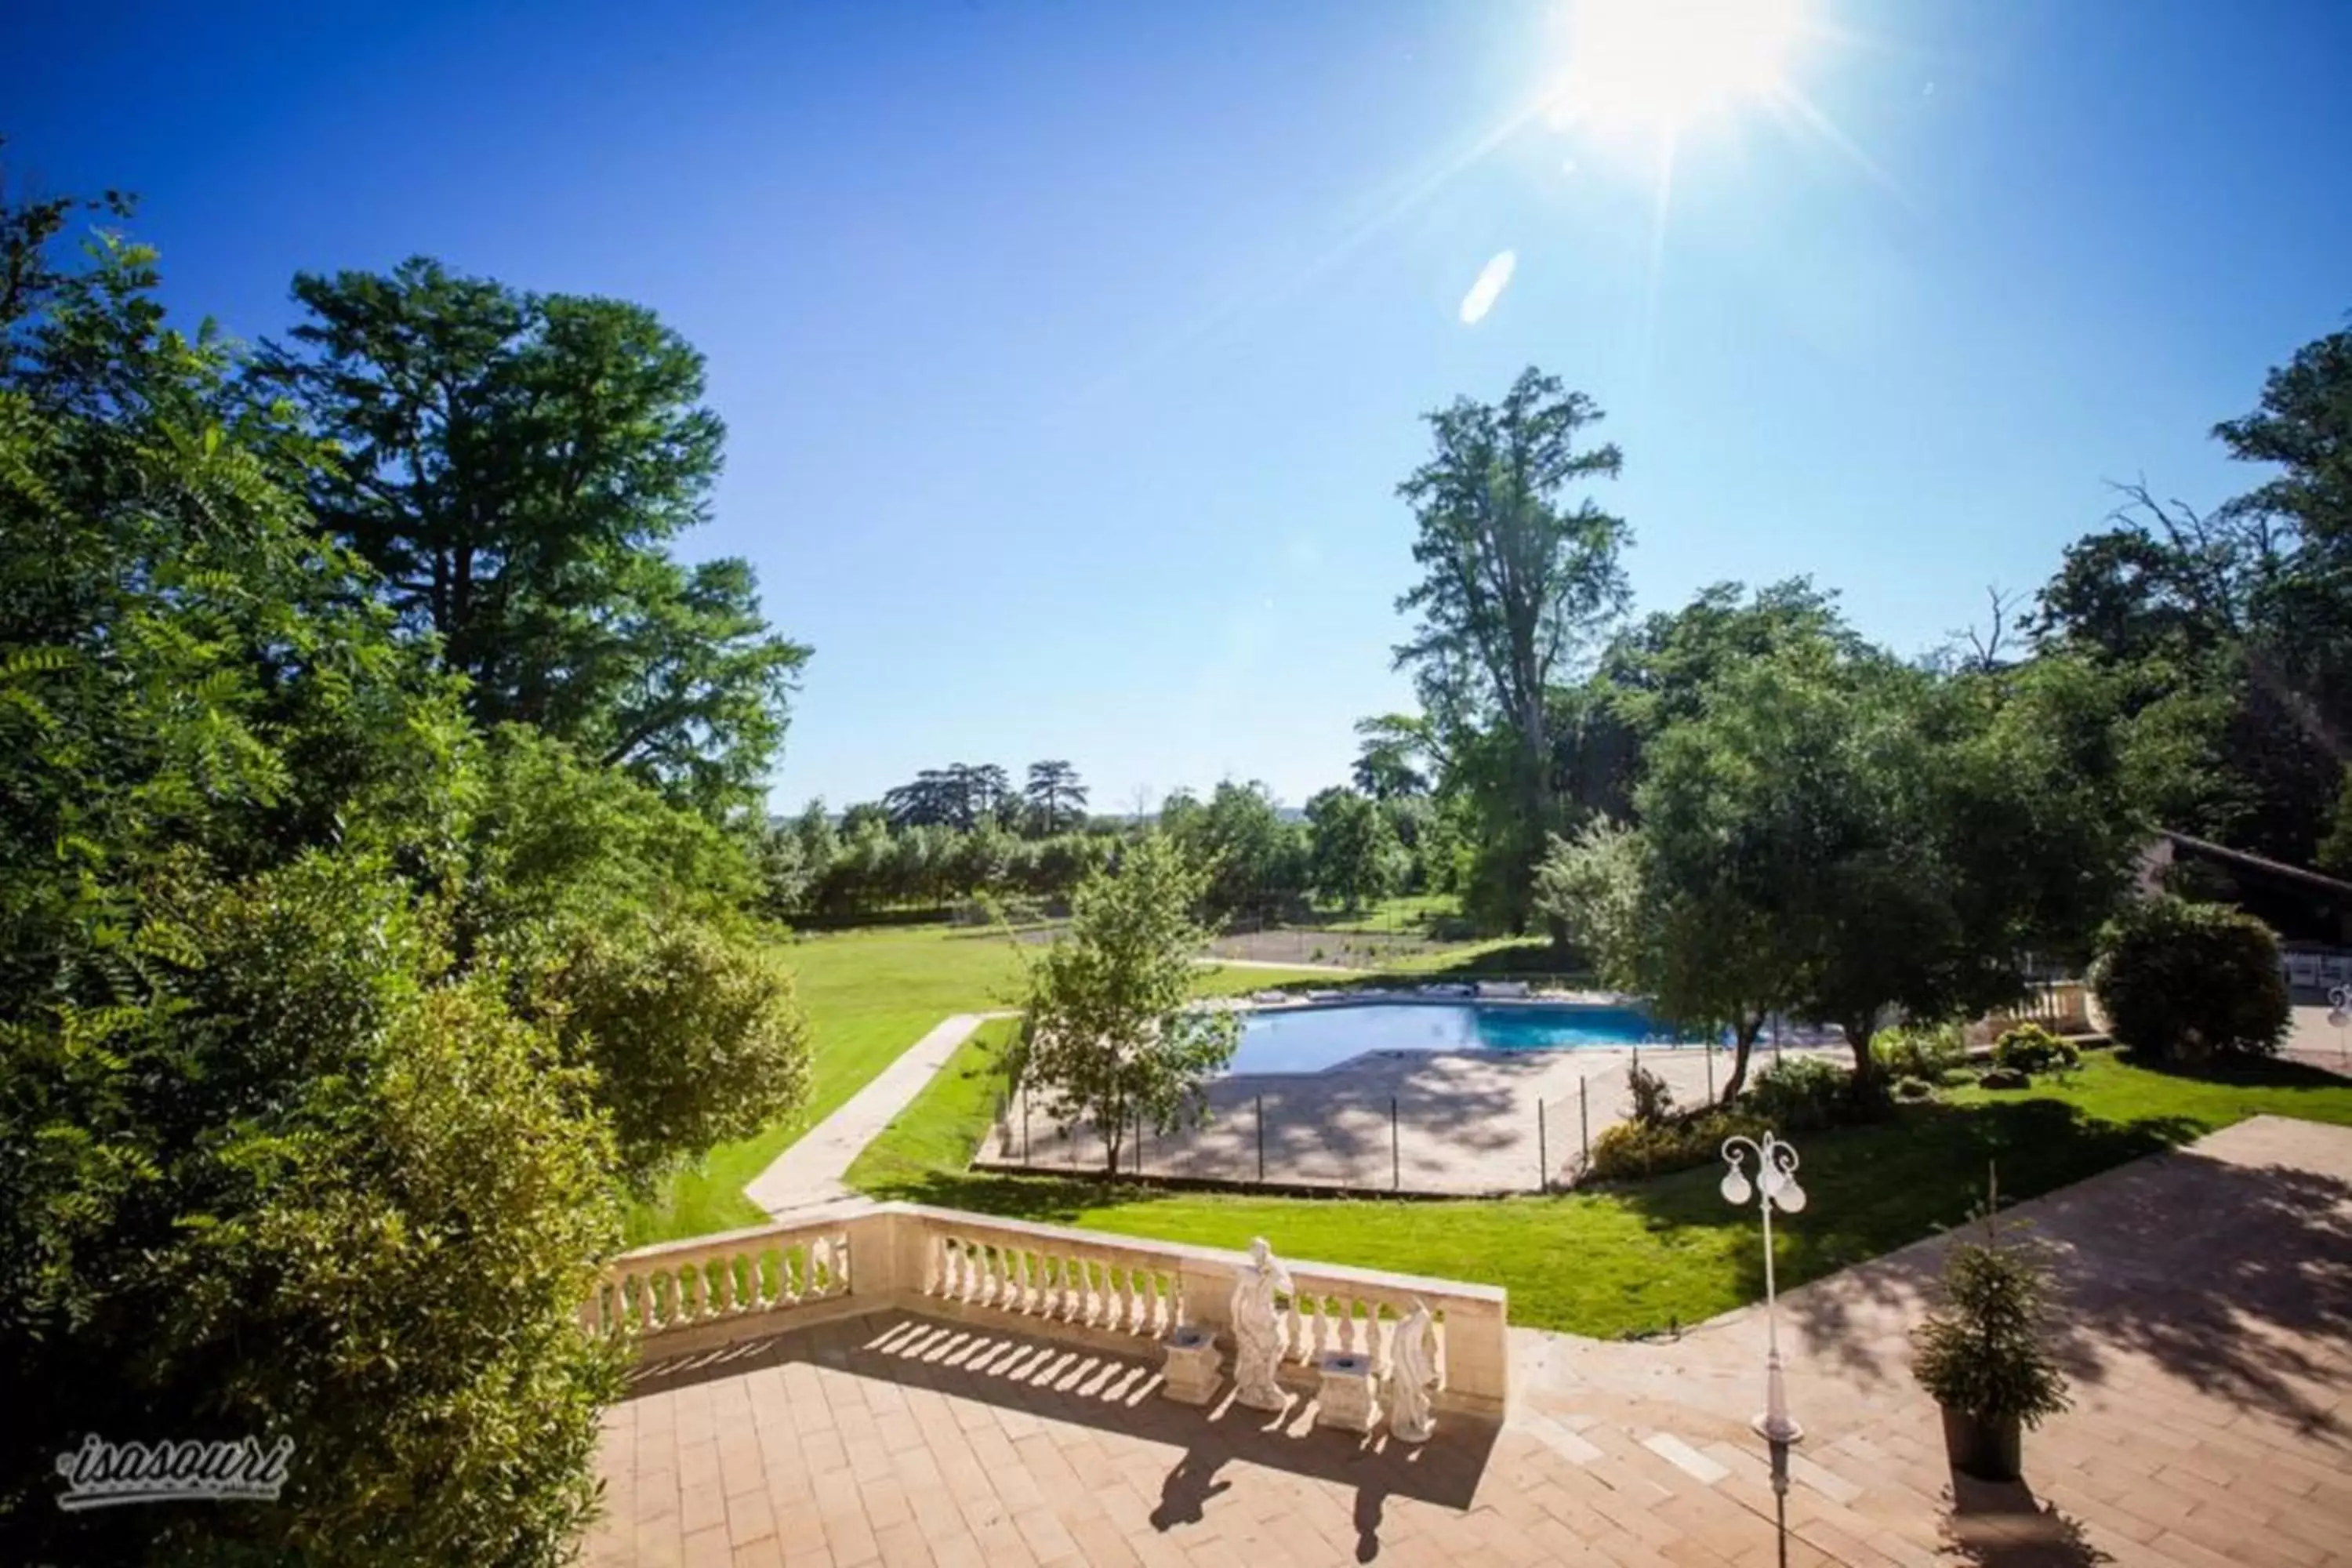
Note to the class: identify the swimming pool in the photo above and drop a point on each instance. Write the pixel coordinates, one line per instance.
(1308, 1040)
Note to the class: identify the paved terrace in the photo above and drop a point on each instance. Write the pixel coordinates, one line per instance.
(2209, 1338)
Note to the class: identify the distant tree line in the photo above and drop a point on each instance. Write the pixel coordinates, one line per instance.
(961, 833)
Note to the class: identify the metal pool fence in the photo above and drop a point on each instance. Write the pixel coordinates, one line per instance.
(1527, 1124)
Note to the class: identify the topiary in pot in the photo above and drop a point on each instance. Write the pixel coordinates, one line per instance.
(1982, 1354)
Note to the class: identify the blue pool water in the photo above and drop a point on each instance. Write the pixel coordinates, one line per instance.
(1308, 1040)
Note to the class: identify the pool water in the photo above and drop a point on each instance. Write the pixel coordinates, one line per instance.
(1308, 1040)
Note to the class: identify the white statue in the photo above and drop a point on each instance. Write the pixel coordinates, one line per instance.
(1257, 1335)
(1413, 1375)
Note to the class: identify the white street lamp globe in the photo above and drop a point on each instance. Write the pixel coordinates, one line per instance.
(1735, 1188)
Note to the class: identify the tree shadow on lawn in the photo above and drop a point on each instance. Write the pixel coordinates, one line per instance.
(2239, 1071)
(2216, 1271)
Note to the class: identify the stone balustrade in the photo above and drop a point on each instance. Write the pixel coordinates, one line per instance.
(2063, 1006)
(1110, 1292)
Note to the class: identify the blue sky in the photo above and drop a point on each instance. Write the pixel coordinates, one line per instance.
(1071, 353)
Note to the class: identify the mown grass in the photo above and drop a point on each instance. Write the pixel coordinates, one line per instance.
(869, 996)
(1644, 1255)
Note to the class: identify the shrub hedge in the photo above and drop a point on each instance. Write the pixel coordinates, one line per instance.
(2184, 981)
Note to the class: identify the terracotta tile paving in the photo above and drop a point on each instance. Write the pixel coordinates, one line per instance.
(2210, 1344)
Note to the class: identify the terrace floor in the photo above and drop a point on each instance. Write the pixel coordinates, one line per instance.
(2209, 1334)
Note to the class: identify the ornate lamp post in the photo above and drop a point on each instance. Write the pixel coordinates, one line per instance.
(1774, 1186)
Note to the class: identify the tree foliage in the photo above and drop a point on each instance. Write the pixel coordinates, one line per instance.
(1056, 796)
(1256, 863)
(281, 1063)
(1515, 581)
(2182, 980)
(1108, 1033)
(1353, 855)
(514, 465)
(1865, 837)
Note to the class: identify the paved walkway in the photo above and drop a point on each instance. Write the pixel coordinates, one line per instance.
(2209, 1338)
(2315, 1042)
(809, 1173)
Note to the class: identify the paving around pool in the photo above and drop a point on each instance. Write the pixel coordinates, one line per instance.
(1448, 1094)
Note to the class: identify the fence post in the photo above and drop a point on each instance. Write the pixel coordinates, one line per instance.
(1261, 1140)
(1584, 1117)
(1396, 1165)
(1543, 1154)
(1710, 1072)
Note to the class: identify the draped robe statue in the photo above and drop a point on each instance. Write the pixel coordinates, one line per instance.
(1413, 1375)
(1257, 1334)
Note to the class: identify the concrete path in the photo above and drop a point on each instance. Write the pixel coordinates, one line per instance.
(809, 1173)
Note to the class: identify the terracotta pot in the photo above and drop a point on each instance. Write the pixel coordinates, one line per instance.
(1990, 1450)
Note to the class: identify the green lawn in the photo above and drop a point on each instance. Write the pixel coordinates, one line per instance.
(1406, 912)
(1644, 1256)
(869, 994)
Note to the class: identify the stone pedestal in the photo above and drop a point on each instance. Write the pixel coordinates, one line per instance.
(1191, 1369)
(1344, 1398)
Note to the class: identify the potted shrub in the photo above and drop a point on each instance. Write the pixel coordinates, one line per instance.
(1982, 1354)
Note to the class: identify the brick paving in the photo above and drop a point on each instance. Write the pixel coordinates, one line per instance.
(2209, 1338)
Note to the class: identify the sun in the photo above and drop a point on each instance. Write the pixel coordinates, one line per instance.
(1658, 64)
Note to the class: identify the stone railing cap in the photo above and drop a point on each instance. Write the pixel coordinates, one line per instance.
(1340, 1275)
(1222, 1257)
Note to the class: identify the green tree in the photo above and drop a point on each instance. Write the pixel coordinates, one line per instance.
(1515, 582)
(2336, 849)
(1645, 907)
(1056, 796)
(1257, 862)
(277, 1165)
(1390, 755)
(1884, 838)
(616, 917)
(514, 465)
(1352, 855)
(1108, 1033)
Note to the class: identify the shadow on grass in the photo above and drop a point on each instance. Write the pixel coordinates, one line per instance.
(2238, 1071)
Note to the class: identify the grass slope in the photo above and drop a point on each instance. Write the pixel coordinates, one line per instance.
(870, 994)
(1640, 1257)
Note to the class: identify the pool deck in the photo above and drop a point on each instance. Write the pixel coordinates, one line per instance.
(1447, 1123)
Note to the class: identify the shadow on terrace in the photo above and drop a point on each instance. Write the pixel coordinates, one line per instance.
(983, 1365)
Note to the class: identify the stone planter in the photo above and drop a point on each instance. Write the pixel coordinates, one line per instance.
(1344, 1391)
(1191, 1369)
(1990, 1450)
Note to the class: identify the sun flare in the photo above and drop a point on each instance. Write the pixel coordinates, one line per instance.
(1660, 64)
